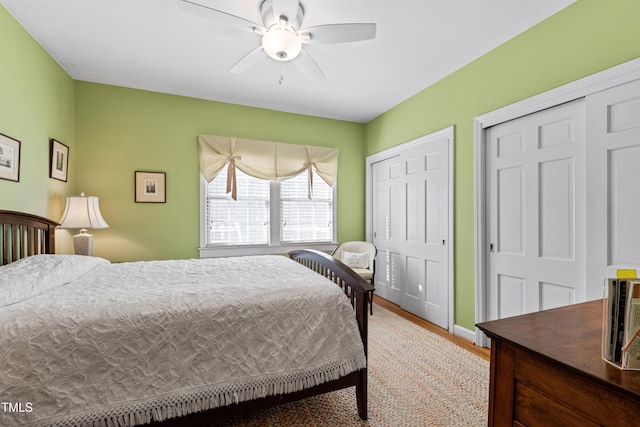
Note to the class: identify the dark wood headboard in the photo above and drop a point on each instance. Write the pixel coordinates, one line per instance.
(23, 234)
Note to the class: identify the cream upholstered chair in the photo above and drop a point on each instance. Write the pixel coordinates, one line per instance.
(361, 258)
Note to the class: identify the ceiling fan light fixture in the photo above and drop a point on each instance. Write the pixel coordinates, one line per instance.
(283, 34)
(281, 43)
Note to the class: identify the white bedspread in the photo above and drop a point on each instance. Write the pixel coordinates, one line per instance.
(126, 342)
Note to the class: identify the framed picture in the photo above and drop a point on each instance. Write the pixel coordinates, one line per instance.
(59, 161)
(9, 158)
(151, 187)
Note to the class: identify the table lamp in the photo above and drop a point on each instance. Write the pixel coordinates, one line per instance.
(82, 212)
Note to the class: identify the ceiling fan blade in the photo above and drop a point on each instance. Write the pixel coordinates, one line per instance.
(338, 33)
(219, 16)
(288, 8)
(248, 61)
(308, 66)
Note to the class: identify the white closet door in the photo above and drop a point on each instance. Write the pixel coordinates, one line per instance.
(425, 247)
(613, 199)
(388, 226)
(536, 211)
(411, 228)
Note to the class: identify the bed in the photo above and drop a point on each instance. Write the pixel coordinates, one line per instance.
(180, 342)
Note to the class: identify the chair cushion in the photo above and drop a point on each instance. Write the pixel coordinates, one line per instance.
(365, 273)
(355, 260)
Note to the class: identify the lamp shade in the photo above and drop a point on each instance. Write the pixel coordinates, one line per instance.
(82, 212)
(281, 43)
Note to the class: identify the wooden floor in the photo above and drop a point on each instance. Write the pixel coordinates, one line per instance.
(485, 353)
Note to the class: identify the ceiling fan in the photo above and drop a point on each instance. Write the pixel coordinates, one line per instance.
(282, 34)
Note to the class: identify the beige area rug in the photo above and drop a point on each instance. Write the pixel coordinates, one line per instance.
(416, 378)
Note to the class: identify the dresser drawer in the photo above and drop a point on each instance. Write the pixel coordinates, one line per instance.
(533, 409)
(570, 397)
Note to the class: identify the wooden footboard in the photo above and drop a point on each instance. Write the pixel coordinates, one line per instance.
(357, 289)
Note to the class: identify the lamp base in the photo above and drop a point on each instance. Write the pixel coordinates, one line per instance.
(83, 243)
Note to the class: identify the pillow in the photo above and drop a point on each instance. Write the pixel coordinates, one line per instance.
(36, 274)
(355, 260)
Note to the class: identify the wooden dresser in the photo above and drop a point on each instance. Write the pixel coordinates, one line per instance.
(546, 370)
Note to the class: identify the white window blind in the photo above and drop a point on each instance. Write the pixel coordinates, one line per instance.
(301, 219)
(253, 220)
(238, 222)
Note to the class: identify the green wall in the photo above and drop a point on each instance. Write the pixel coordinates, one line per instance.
(585, 38)
(119, 131)
(36, 103)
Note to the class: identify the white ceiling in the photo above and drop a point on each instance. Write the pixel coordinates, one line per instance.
(154, 45)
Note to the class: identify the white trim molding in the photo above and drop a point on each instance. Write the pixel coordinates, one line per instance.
(618, 75)
(226, 251)
(465, 333)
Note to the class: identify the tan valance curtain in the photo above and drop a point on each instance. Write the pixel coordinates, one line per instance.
(264, 160)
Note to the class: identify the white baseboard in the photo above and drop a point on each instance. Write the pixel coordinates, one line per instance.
(464, 333)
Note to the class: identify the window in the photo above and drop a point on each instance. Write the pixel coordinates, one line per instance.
(266, 214)
(239, 222)
(301, 219)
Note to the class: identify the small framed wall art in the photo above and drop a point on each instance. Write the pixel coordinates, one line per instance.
(151, 187)
(59, 161)
(9, 158)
